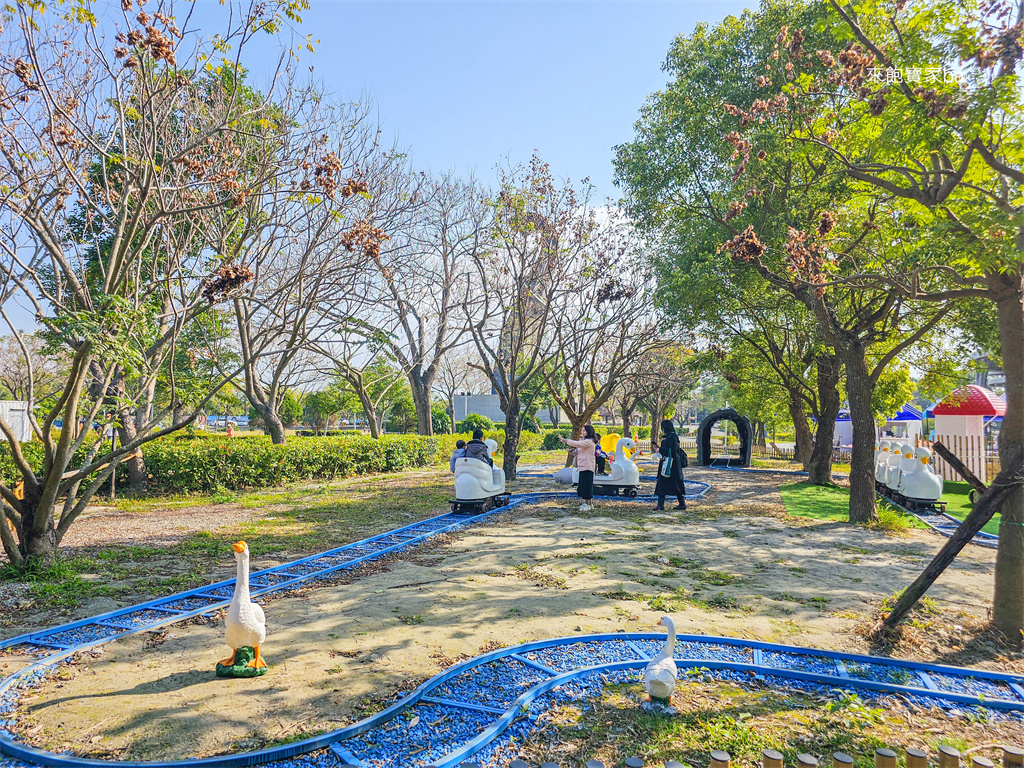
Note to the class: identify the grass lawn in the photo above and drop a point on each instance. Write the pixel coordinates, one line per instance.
(829, 502)
(291, 522)
(957, 504)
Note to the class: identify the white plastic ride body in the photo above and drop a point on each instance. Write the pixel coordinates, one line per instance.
(923, 485)
(906, 463)
(476, 480)
(624, 474)
(880, 458)
(892, 461)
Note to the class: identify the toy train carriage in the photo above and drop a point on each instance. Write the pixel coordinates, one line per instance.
(479, 487)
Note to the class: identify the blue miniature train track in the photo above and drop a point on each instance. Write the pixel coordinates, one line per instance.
(945, 524)
(940, 522)
(472, 707)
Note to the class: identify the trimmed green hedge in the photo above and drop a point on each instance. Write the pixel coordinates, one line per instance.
(188, 463)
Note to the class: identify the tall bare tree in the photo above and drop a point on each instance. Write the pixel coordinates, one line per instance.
(539, 230)
(117, 151)
(435, 232)
(603, 325)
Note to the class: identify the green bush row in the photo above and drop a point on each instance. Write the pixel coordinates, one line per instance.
(186, 463)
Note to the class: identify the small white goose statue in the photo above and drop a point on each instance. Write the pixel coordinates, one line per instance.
(245, 623)
(660, 675)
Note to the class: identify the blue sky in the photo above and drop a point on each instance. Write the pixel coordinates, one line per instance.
(464, 85)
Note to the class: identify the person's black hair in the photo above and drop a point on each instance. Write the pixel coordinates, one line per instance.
(478, 434)
(460, 443)
(667, 427)
(588, 432)
(597, 435)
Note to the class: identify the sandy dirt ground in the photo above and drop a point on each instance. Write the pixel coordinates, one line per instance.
(732, 565)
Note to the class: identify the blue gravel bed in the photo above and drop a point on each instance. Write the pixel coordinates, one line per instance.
(226, 591)
(90, 633)
(583, 688)
(261, 580)
(399, 743)
(819, 665)
(973, 686)
(137, 619)
(495, 684)
(302, 569)
(322, 758)
(189, 603)
(709, 651)
(883, 673)
(504, 749)
(564, 658)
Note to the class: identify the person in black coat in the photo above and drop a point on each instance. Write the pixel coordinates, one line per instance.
(670, 483)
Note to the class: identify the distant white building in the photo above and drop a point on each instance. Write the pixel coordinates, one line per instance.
(15, 413)
(486, 405)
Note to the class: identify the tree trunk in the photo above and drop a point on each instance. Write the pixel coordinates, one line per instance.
(554, 415)
(575, 432)
(272, 425)
(421, 399)
(38, 535)
(819, 468)
(859, 388)
(1008, 600)
(801, 430)
(985, 507)
(137, 478)
(627, 418)
(511, 410)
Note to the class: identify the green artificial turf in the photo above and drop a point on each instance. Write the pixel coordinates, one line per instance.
(958, 505)
(829, 502)
(822, 502)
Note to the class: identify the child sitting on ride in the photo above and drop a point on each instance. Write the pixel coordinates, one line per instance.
(477, 448)
(601, 456)
(458, 453)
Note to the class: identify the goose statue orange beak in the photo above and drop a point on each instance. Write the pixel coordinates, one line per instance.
(239, 546)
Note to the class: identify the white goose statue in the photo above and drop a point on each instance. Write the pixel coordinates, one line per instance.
(245, 624)
(661, 674)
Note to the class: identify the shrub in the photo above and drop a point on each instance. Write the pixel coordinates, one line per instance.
(440, 420)
(290, 409)
(255, 462)
(182, 463)
(551, 441)
(474, 421)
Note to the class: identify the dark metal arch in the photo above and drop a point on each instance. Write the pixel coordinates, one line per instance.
(746, 433)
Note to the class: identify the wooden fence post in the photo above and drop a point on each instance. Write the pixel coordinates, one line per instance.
(841, 760)
(720, 759)
(948, 757)
(806, 761)
(1013, 757)
(917, 758)
(885, 758)
(771, 759)
(977, 761)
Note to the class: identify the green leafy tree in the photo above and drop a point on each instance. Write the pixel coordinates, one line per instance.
(939, 151)
(290, 410)
(713, 149)
(474, 421)
(441, 419)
